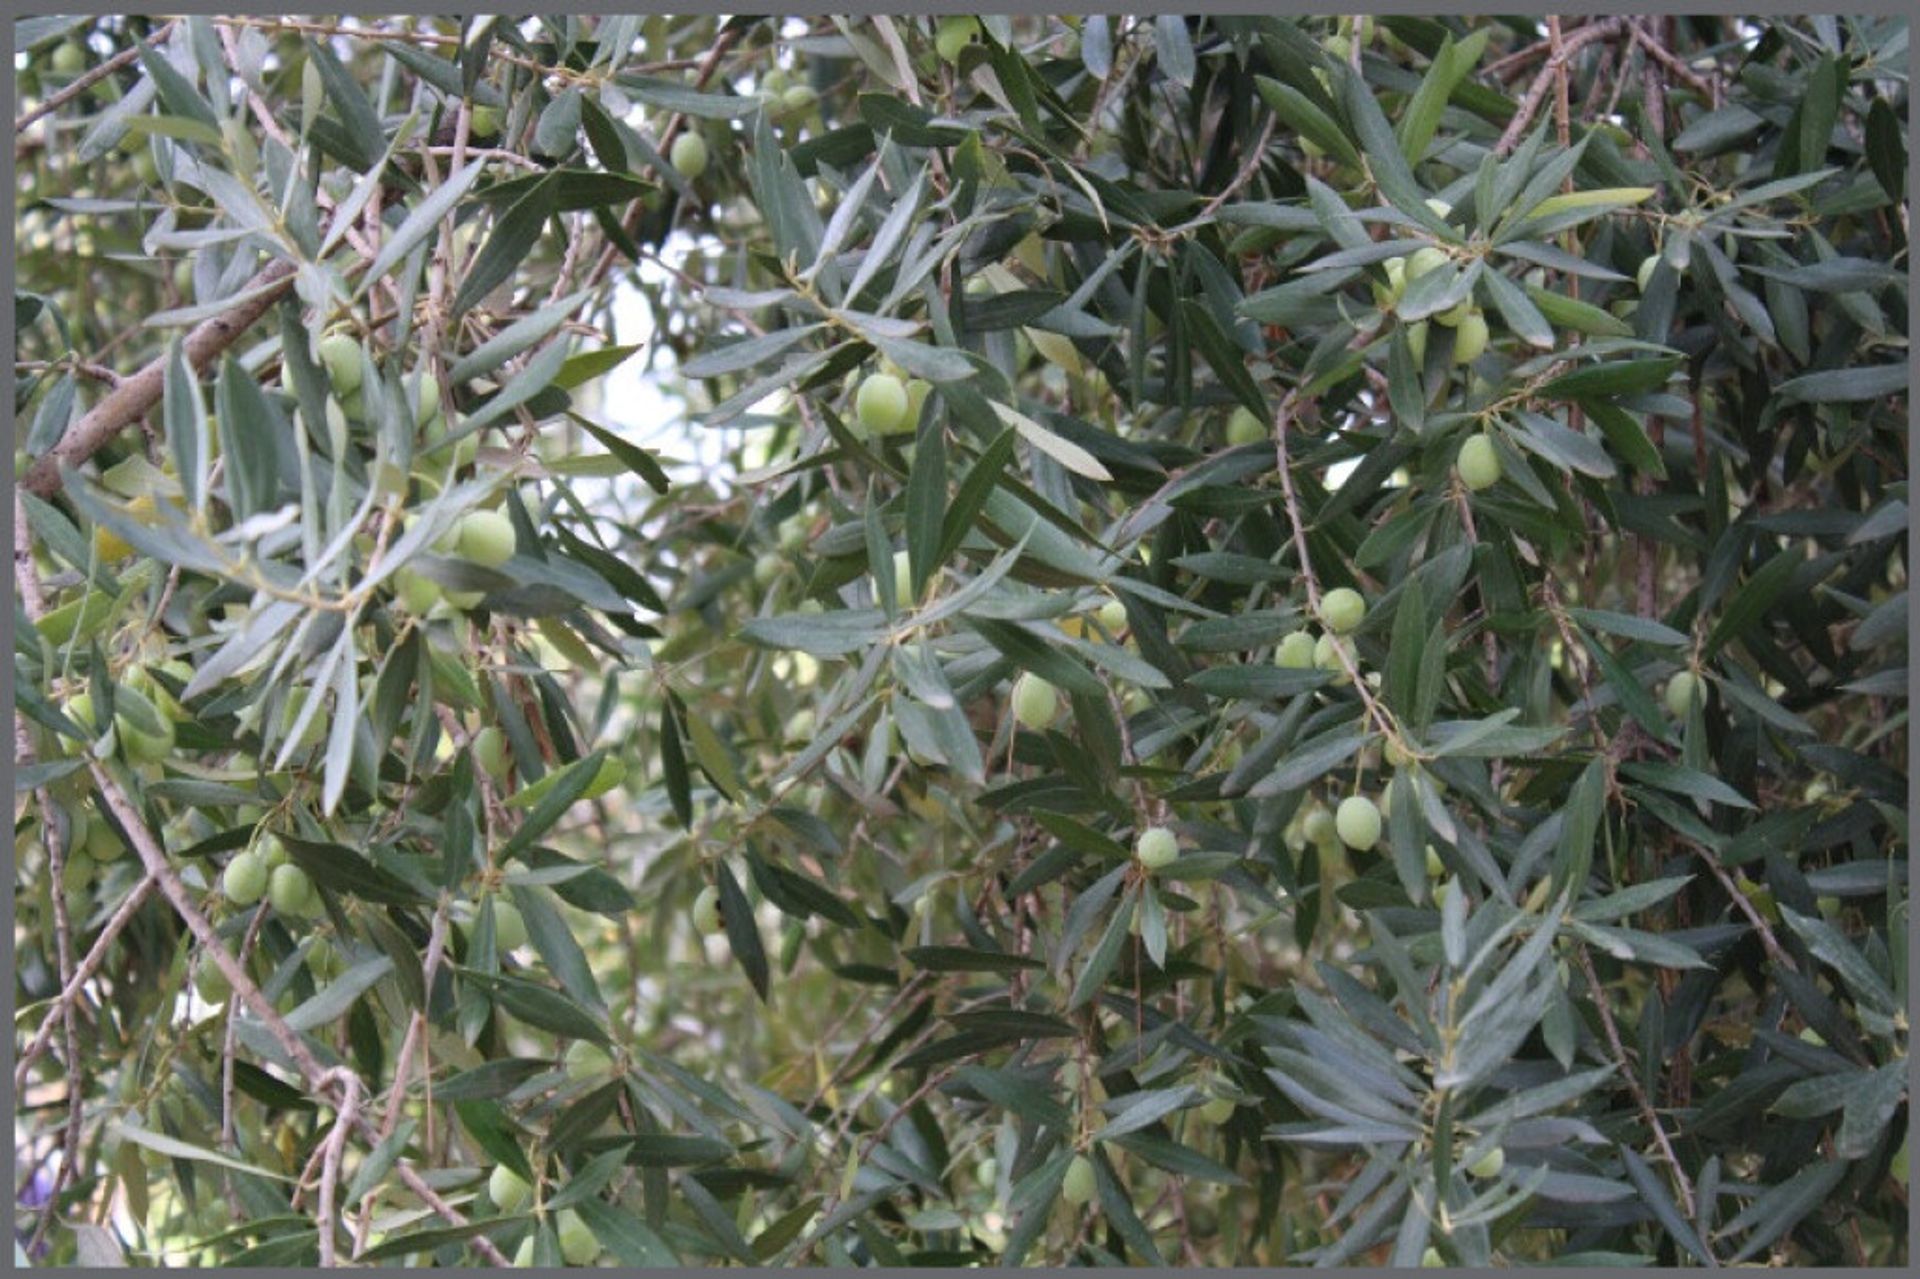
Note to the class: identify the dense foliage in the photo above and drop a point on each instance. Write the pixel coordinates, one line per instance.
(1268, 641)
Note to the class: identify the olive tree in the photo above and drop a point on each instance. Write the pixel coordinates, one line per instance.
(1250, 641)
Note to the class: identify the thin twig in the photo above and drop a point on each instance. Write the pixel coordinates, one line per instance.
(1282, 419)
(1640, 1097)
(1708, 89)
(336, 1146)
(87, 79)
(1768, 941)
(121, 917)
(1544, 79)
(318, 1078)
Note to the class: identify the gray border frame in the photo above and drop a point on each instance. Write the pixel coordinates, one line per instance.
(1760, 8)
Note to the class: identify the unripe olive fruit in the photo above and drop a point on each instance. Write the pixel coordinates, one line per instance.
(271, 852)
(954, 35)
(1396, 269)
(577, 1243)
(145, 171)
(706, 910)
(1327, 651)
(1036, 703)
(509, 928)
(1156, 847)
(323, 959)
(508, 1189)
(1456, 315)
(486, 538)
(484, 122)
(341, 356)
(1318, 824)
(490, 752)
(1470, 338)
(1489, 1164)
(1113, 616)
(244, 880)
(1417, 342)
(76, 877)
(416, 592)
(69, 58)
(142, 746)
(1423, 261)
(523, 1255)
(689, 155)
(1477, 464)
(426, 400)
(1431, 1260)
(1244, 427)
(1342, 609)
(797, 100)
(1644, 275)
(881, 404)
(102, 844)
(1217, 1110)
(1357, 822)
(290, 712)
(290, 891)
(1079, 1185)
(1295, 651)
(210, 983)
(918, 389)
(1683, 690)
(1436, 869)
(587, 1060)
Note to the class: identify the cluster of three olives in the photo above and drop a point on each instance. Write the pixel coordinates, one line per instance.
(1341, 610)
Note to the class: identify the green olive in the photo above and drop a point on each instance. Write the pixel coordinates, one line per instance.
(954, 35)
(1157, 846)
(1342, 609)
(486, 538)
(689, 156)
(881, 404)
(1357, 822)
(1477, 464)
(1080, 1184)
(1036, 703)
(706, 910)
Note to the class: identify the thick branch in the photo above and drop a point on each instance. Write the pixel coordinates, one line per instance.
(128, 402)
